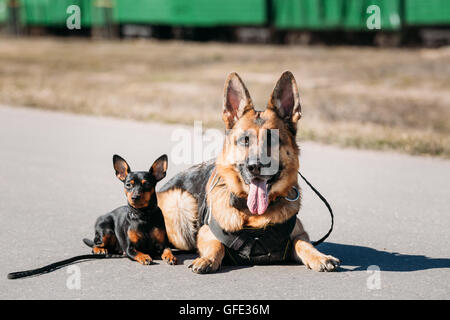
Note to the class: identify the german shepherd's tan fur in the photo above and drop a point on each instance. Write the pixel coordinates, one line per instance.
(180, 199)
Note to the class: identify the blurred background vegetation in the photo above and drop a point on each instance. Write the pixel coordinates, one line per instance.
(166, 60)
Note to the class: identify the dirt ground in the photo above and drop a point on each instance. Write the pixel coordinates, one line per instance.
(394, 99)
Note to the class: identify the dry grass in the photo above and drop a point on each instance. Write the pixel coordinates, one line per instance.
(396, 99)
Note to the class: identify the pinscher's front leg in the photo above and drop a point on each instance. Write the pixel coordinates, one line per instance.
(134, 238)
(140, 257)
(159, 236)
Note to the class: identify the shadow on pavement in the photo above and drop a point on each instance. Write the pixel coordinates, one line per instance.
(363, 257)
(358, 257)
(182, 256)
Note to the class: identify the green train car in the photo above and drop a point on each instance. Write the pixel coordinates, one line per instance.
(193, 13)
(335, 14)
(3, 12)
(353, 15)
(427, 12)
(346, 17)
(53, 13)
(276, 16)
(308, 14)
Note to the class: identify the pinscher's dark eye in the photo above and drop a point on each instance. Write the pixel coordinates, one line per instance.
(129, 184)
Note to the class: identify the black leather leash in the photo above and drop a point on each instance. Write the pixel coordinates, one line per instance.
(315, 243)
(59, 264)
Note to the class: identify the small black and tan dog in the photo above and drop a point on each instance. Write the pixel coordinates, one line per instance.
(137, 229)
(134, 231)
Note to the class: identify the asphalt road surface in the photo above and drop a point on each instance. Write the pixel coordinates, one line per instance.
(391, 232)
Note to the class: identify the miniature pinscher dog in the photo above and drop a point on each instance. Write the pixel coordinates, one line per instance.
(137, 229)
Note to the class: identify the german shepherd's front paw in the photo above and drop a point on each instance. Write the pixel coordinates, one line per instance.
(204, 265)
(168, 257)
(322, 263)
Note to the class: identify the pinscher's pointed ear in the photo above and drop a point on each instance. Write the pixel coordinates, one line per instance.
(121, 166)
(236, 100)
(159, 167)
(285, 98)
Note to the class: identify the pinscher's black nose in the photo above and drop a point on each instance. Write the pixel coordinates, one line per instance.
(135, 197)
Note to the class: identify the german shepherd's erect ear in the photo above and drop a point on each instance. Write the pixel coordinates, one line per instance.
(236, 100)
(285, 100)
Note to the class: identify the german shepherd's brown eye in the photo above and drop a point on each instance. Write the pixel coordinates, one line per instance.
(244, 140)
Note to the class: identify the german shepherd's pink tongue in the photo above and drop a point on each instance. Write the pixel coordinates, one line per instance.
(257, 201)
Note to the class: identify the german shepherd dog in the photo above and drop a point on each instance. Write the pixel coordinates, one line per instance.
(217, 206)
